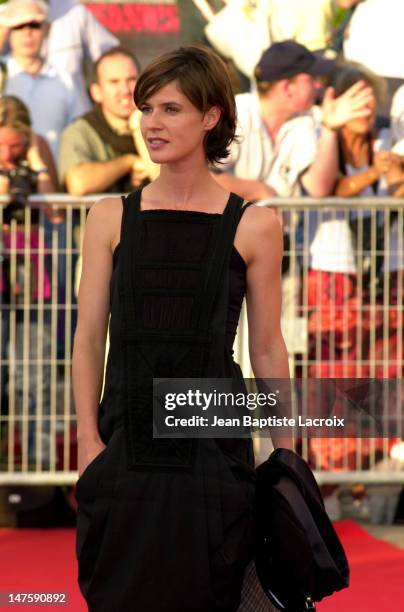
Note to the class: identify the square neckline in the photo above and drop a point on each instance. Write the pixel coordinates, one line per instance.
(194, 212)
(175, 210)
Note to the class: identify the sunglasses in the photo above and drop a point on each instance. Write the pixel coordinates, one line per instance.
(31, 25)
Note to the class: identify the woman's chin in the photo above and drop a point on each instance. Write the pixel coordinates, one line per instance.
(165, 158)
(159, 156)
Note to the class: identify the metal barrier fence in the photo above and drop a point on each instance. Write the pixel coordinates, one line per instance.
(342, 318)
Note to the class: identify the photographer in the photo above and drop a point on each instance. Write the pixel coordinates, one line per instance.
(26, 167)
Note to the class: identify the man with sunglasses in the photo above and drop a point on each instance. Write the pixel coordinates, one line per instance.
(49, 93)
(75, 39)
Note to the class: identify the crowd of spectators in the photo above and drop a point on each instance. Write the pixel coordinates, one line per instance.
(341, 146)
(50, 93)
(45, 70)
(308, 123)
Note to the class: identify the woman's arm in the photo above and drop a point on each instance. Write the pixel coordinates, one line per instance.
(40, 160)
(205, 9)
(395, 178)
(351, 186)
(92, 325)
(40, 156)
(268, 353)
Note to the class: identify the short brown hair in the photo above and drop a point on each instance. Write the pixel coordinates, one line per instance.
(15, 115)
(203, 78)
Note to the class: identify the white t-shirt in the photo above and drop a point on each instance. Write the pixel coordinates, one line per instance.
(278, 164)
(375, 37)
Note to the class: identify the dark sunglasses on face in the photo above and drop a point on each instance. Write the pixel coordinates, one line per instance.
(32, 25)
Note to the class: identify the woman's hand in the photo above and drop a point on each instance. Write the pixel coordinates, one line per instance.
(383, 161)
(395, 176)
(87, 452)
(34, 158)
(353, 104)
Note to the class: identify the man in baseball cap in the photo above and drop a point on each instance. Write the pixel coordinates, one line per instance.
(286, 147)
(284, 60)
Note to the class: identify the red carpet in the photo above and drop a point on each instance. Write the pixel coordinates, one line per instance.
(43, 561)
(39, 561)
(377, 574)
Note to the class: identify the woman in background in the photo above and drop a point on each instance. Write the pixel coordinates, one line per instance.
(347, 282)
(342, 245)
(26, 167)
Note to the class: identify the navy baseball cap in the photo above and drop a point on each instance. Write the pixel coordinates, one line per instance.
(286, 59)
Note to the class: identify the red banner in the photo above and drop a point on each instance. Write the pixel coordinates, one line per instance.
(150, 18)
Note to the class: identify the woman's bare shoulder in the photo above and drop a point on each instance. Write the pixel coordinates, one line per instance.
(259, 233)
(106, 208)
(105, 217)
(262, 220)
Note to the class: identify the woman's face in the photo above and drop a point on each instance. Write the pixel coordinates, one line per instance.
(13, 147)
(173, 128)
(365, 124)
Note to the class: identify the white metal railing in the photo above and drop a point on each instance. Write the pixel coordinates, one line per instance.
(327, 331)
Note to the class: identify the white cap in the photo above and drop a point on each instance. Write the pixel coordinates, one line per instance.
(15, 13)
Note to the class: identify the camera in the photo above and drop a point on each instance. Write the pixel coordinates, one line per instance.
(23, 183)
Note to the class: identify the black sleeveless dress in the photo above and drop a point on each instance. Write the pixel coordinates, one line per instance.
(165, 525)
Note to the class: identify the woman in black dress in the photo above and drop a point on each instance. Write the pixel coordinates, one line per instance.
(165, 525)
